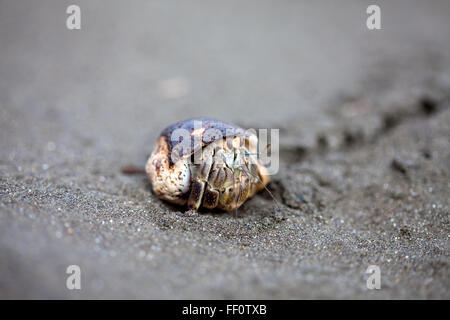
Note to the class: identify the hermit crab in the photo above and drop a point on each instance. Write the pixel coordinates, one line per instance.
(206, 163)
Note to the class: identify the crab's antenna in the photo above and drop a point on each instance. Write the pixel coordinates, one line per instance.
(267, 189)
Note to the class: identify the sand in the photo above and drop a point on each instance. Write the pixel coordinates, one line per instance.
(364, 149)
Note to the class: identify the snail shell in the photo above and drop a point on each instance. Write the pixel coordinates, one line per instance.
(206, 162)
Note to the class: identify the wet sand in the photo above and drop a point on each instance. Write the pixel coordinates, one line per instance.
(364, 149)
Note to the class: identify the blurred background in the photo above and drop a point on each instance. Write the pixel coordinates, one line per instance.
(77, 105)
(149, 63)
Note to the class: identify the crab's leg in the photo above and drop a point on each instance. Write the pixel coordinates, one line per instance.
(223, 179)
(199, 174)
(219, 181)
(229, 189)
(213, 186)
